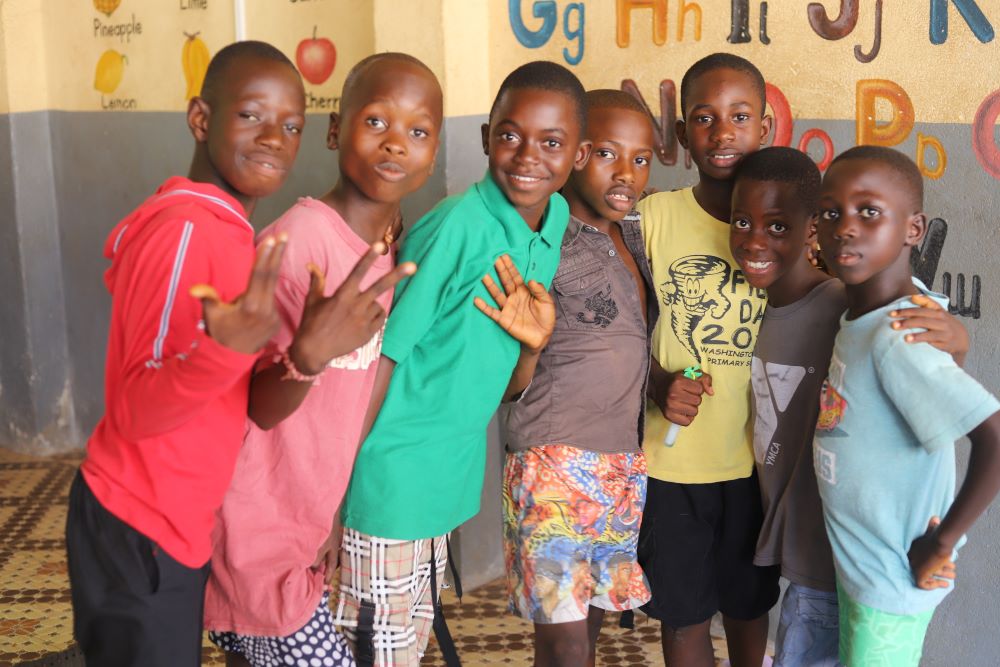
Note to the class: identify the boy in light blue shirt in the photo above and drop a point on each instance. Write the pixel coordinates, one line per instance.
(889, 416)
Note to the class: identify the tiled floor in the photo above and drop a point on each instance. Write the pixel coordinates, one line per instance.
(36, 619)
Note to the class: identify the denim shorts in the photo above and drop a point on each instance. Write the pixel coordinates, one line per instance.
(808, 629)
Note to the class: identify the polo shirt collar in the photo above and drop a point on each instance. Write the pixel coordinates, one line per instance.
(514, 225)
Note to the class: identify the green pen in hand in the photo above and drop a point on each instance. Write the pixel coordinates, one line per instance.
(691, 373)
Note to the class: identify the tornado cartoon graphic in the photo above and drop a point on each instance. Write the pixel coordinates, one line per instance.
(694, 289)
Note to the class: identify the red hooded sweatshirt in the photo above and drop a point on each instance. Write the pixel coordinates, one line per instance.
(162, 456)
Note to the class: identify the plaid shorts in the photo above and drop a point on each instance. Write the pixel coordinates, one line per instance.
(570, 528)
(392, 579)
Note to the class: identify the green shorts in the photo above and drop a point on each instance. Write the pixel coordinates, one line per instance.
(873, 638)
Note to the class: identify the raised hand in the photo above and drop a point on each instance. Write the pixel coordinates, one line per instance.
(246, 324)
(526, 311)
(930, 561)
(334, 325)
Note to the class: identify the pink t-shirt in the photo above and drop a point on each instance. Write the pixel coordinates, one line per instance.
(290, 480)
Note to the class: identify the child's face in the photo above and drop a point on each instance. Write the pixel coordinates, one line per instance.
(533, 141)
(618, 169)
(723, 122)
(389, 136)
(769, 230)
(252, 129)
(866, 220)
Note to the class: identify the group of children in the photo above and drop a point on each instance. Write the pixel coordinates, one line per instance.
(268, 430)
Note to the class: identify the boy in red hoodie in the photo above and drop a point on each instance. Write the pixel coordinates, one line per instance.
(178, 369)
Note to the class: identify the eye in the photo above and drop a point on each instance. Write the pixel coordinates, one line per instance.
(642, 161)
(777, 228)
(869, 212)
(605, 153)
(552, 143)
(249, 115)
(376, 123)
(741, 223)
(742, 117)
(294, 129)
(420, 133)
(703, 119)
(829, 215)
(507, 136)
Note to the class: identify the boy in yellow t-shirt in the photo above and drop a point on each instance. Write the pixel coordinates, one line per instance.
(703, 510)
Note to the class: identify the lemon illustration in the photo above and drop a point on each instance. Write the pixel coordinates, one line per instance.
(106, 6)
(110, 69)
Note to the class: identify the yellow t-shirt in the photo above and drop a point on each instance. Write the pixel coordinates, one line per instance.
(709, 315)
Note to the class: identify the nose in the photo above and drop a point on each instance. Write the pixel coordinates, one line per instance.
(625, 172)
(272, 135)
(393, 142)
(845, 227)
(527, 153)
(756, 240)
(722, 131)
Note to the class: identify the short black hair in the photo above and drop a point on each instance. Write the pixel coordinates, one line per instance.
(221, 61)
(715, 61)
(610, 98)
(780, 164)
(354, 75)
(546, 75)
(898, 162)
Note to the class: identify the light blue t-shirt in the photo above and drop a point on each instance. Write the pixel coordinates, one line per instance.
(890, 413)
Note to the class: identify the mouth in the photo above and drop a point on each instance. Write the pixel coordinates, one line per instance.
(524, 181)
(390, 171)
(846, 257)
(756, 267)
(724, 159)
(267, 164)
(620, 199)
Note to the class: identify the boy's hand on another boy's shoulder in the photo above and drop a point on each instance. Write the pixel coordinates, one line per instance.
(526, 312)
(335, 325)
(246, 324)
(683, 396)
(943, 330)
(930, 560)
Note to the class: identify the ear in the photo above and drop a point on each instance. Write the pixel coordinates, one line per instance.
(765, 128)
(198, 116)
(333, 132)
(582, 155)
(680, 129)
(485, 130)
(916, 227)
(811, 232)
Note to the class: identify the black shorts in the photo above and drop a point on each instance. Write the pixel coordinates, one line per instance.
(696, 547)
(132, 603)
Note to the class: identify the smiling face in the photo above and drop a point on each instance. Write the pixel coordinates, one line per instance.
(250, 132)
(389, 132)
(868, 223)
(723, 122)
(609, 184)
(769, 230)
(533, 142)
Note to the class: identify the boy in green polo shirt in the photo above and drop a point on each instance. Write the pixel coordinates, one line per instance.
(419, 472)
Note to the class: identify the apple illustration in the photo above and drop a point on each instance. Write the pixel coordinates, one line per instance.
(316, 58)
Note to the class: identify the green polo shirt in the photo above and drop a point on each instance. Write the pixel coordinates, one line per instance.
(419, 474)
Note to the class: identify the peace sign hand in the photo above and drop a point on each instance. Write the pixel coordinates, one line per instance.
(334, 325)
(246, 324)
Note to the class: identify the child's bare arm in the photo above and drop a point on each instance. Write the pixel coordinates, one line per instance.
(943, 330)
(930, 552)
(677, 396)
(379, 388)
(526, 312)
(330, 327)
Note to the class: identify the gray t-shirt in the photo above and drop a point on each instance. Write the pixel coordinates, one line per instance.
(790, 362)
(589, 387)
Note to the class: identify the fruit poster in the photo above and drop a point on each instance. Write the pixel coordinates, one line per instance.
(136, 55)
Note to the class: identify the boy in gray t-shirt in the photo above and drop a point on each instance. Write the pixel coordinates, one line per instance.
(775, 200)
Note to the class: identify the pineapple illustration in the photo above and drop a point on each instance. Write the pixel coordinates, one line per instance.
(106, 7)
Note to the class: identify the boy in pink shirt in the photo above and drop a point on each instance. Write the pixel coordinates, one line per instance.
(266, 601)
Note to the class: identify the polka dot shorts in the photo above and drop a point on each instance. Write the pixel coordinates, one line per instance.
(316, 644)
